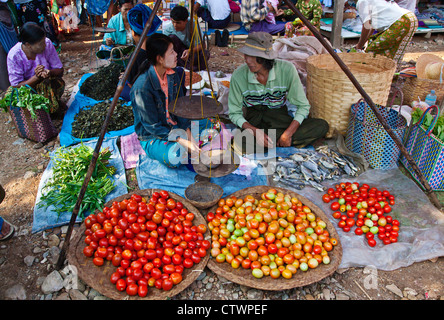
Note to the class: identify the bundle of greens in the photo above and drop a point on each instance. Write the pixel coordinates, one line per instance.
(24, 97)
(438, 129)
(69, 171)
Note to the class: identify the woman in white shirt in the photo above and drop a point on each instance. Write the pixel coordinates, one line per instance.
(395, 28)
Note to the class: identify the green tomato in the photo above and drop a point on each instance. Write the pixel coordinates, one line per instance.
(326, 260)
(238, 232)
(230, 227)
(309, 230)
(374, 230)
(368, 223)
(303, 266)
(341, 201)
(292, 239)
(257, 273)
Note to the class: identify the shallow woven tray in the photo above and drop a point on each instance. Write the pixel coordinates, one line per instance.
(196, 107)
(198, 192)
(300, 278)
(98, 277)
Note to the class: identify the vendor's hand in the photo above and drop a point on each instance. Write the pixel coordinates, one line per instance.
(263, 139)
(185, 54)
(44, 74)
(279, 12)
(38, 70)
(109, 41)
(284, 140)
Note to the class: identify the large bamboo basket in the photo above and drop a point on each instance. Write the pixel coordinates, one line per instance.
(331, 93)
(417, 88)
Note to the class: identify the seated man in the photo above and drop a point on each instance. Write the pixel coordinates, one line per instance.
(217, 12)
(253, 14)
(179, 30)
(272, 94)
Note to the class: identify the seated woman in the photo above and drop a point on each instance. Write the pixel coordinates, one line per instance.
(122, 35)
(310, 9)
(152, 96)
(34, 61)
(395, 25)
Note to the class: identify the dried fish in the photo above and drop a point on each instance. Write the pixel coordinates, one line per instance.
(307, 167)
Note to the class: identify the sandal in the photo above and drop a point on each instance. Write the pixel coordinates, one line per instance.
(6, 229)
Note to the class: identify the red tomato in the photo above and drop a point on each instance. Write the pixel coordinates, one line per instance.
(335, 206)
(132, 289)
(142, 290)
(371, 242)
(121, 284)
(98, 261)
(188, 263)
(326, 198)
(167, 284)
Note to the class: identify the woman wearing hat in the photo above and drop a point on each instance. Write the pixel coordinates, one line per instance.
(273, 97)
(395, 25)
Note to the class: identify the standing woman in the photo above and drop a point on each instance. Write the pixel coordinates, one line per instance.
(152, 95)
(34, 61)
(395, 28)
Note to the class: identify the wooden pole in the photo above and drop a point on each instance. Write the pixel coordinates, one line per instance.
(96, 152)
(336, 31)
(428, 191)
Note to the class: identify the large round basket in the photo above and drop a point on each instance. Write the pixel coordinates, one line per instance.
(300, 278)
(203, 194)
(99, 277)
(417, 88)
(331, 93)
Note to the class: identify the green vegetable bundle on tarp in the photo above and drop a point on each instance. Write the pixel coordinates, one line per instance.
(30, 113)
(69, 171)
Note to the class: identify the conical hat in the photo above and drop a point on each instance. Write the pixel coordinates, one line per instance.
(423, 61)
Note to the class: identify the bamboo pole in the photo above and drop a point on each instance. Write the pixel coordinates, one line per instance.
(96, 152)
(428, 191)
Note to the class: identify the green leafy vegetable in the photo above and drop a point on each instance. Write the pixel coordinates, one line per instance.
(438, 130)
(24, 97)
(69, 171)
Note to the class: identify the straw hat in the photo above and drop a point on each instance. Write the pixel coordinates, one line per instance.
(259, 44)
(429, 66)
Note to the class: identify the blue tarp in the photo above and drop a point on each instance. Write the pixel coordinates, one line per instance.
(46, 218)
(80, 100)
(97, 7)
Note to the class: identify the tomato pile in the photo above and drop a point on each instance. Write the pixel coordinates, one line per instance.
(273, 236)
(150, 242)
(365, 207)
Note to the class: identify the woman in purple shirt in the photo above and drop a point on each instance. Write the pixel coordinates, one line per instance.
(34, 61)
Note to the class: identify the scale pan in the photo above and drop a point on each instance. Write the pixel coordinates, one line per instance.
(196, 107)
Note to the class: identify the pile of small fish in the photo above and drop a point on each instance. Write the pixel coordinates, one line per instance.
(310, 167)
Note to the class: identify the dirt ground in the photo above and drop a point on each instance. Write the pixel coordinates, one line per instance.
(22, 165)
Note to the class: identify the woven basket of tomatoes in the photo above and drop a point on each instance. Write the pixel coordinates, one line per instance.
(150, 244)
(271, 239)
